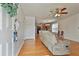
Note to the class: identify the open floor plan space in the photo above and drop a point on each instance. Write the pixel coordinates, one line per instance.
(39, 29)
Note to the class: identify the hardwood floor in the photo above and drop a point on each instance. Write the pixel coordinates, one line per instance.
(36, 48)
(74, 48)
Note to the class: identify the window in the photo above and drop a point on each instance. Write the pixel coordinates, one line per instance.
(55, 27)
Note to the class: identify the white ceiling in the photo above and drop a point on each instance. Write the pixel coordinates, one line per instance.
(41, 10)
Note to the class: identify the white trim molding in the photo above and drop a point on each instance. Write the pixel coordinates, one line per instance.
(20, 48)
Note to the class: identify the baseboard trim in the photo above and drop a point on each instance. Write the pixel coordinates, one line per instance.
(76, 40)
(20, 48)
(29, 38)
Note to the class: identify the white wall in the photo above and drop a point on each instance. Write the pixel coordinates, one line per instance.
(70, 26)
(29, 30)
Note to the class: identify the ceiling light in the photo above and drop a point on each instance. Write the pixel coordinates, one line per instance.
(57, 15)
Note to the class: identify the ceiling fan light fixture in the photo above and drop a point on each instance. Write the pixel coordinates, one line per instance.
(57, 15)
(58, 12)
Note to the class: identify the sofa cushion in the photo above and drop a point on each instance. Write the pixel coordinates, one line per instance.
(48, 36)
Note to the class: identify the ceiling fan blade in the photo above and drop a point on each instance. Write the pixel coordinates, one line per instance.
(63, 13)
(57, 10)
(63, 9)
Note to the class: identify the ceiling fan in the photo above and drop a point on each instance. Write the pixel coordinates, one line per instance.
(58, 12)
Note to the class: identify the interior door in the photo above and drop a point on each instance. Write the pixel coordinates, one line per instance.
(6, 34)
